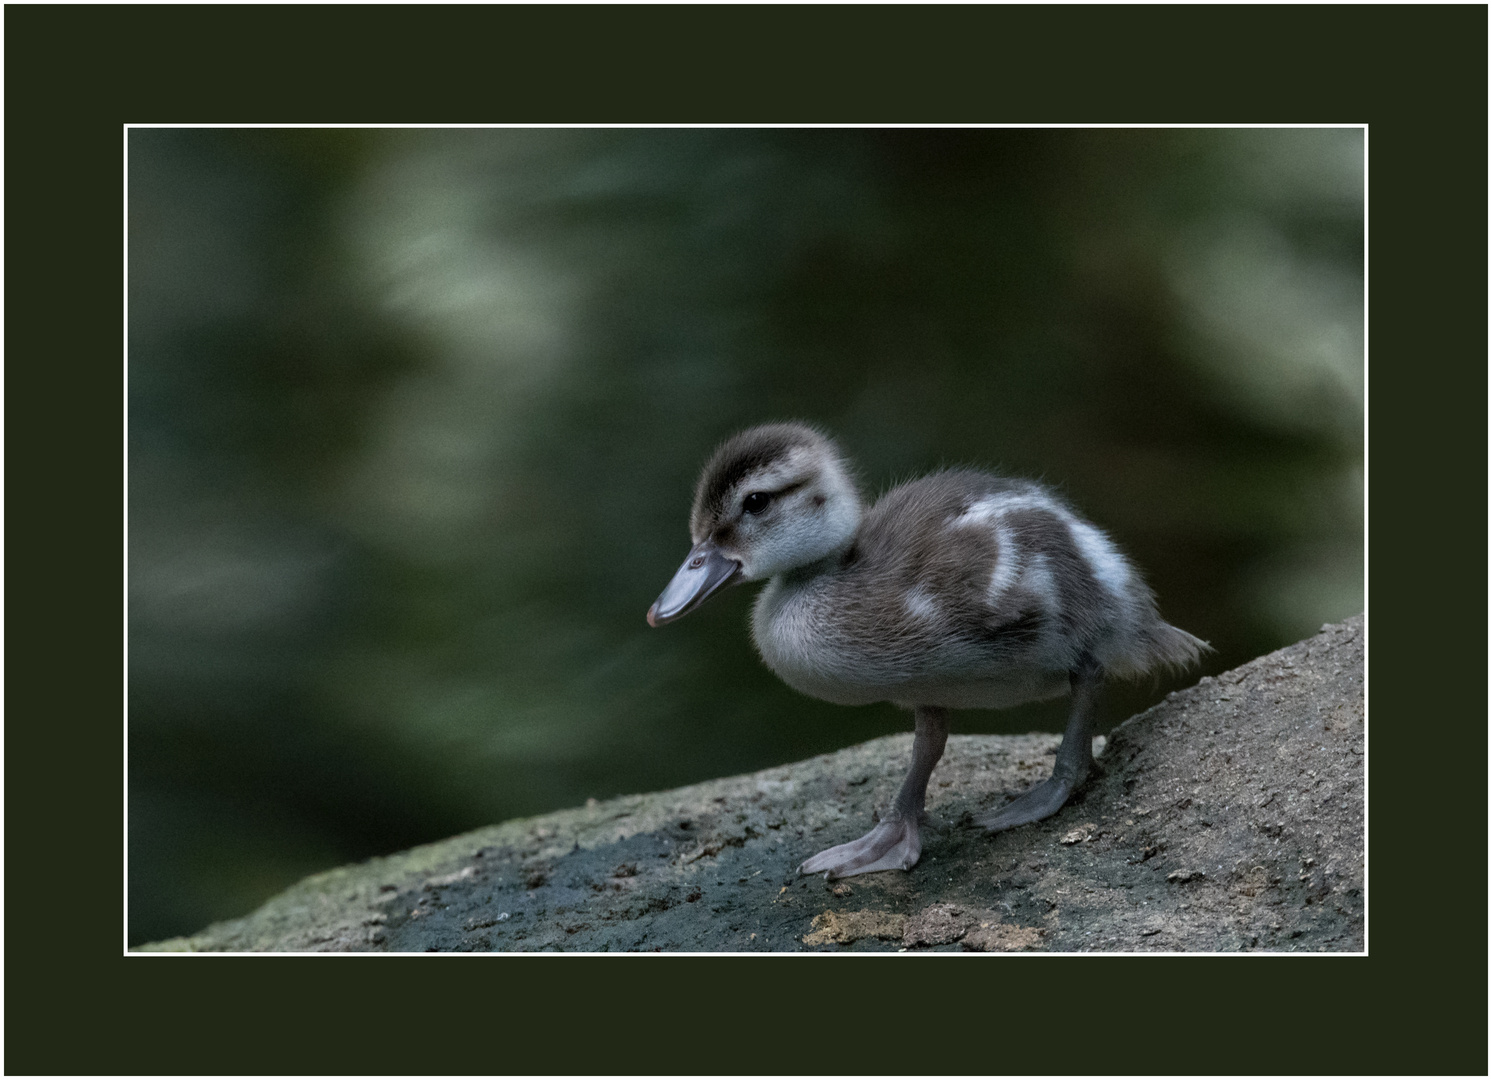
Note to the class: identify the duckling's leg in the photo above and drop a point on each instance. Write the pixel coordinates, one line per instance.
(1074, 758)
(895, 843)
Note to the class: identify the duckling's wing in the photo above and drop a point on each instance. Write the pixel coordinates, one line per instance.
(1006, 566)
(1059, 589)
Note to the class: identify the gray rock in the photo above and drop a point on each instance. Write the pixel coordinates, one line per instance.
(1227, 818)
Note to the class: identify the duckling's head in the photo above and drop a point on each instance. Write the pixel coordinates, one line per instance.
(771, 499)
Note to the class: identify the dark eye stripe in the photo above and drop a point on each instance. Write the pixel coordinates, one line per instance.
(758, 501)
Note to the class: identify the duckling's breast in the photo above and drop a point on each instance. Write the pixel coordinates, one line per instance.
(832, 641)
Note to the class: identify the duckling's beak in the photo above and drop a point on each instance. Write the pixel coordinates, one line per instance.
(704, 571)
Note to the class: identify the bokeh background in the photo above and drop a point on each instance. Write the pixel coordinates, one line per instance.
(415, 415)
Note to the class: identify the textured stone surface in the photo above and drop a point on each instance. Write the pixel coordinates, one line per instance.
(1229, 817)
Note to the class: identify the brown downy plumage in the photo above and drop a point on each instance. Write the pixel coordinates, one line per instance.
(959, 590)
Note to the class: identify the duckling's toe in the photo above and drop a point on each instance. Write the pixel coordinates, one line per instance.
(1042, 801)
(894, 844)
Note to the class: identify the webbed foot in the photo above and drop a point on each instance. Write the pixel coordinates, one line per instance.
(1074, 758)
(894, 844)
(1042, 801)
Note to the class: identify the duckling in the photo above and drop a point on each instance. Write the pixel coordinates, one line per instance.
(959, 590)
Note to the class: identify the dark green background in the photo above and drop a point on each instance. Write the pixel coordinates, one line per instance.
(414, 417)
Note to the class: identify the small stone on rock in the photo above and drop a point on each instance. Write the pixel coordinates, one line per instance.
(844, 927)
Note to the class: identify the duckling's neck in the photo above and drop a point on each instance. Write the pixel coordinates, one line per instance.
(833, 560)
(798, 580)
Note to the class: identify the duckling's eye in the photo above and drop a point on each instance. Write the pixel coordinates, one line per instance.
(756, 502)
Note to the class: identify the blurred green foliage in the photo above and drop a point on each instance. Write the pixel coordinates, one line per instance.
(414, 418)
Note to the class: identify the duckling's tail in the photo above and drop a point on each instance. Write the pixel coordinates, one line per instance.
(1173, 648)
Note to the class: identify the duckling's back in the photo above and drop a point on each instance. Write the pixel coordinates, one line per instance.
(964, 590)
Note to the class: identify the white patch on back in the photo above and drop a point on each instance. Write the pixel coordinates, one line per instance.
(1039, 581)
(921, 604)
(992, 507)
(1007, 565)
(1107, 565)
(987, 512)
(979, 513)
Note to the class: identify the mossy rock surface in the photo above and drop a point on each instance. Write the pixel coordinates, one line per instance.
(1227, 818)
